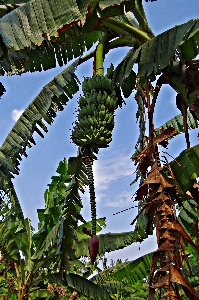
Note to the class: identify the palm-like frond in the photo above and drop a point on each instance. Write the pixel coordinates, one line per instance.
(114, 287)
(177, 123)
(13, 235)
(186, 168)
(130, 271)
(114, 241)
(188, 219)
(7, 6)
(156, 54)
(26, 27)
(38, 32)
(13, 2)
(58, 221)
(126, 278)
(82, 285)
(187, 216)
(161, 49)
(43, 109)
(134, 271)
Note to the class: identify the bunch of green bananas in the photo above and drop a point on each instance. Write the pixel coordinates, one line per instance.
(96, 113)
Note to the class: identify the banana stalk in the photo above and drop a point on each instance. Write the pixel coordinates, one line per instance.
(89, 164)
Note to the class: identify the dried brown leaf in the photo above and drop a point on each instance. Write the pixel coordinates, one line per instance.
(165, 268)
(183, 232)
(167, 235)
(145, 163)
(147, 151)
(188, 289)
(163, 282)
(168, 225)
(175, 276)
(153, 177)
(167, 133)
(171, 295)
(165, 247)
(156, 177)
(164, 207)
(141, 192)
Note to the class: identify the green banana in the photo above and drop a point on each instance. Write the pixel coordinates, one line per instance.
(102, 139)
(110, 125)
(88, 137)
(102, 114)
(95, 114)
(106, 84)
(85, 87)
(93, 99)
(90, 121)
(82, 101)
(90, 84)
(83, 142)
(113, 104)
(103, 107)
(109, 119)
(82, 124)
(108, 140)
(99, 97)
(95, 119)
(98, 82)
(104, 123)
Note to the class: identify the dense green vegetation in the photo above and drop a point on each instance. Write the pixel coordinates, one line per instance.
(61, 260)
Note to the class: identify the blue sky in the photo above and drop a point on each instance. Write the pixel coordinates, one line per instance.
(114, 169)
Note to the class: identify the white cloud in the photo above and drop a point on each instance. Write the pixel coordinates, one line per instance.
(122, 200)
(16, 113)
(107, 170)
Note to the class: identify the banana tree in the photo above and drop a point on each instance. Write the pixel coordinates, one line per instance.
(33, 41)
(29, 262)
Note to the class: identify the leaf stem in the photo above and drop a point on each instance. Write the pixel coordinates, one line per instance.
(122, 42)
(86, 57)
(118, 42)
(18, 274)
(139, 34)
(140, 15)
(100, 53)
(100, 58)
